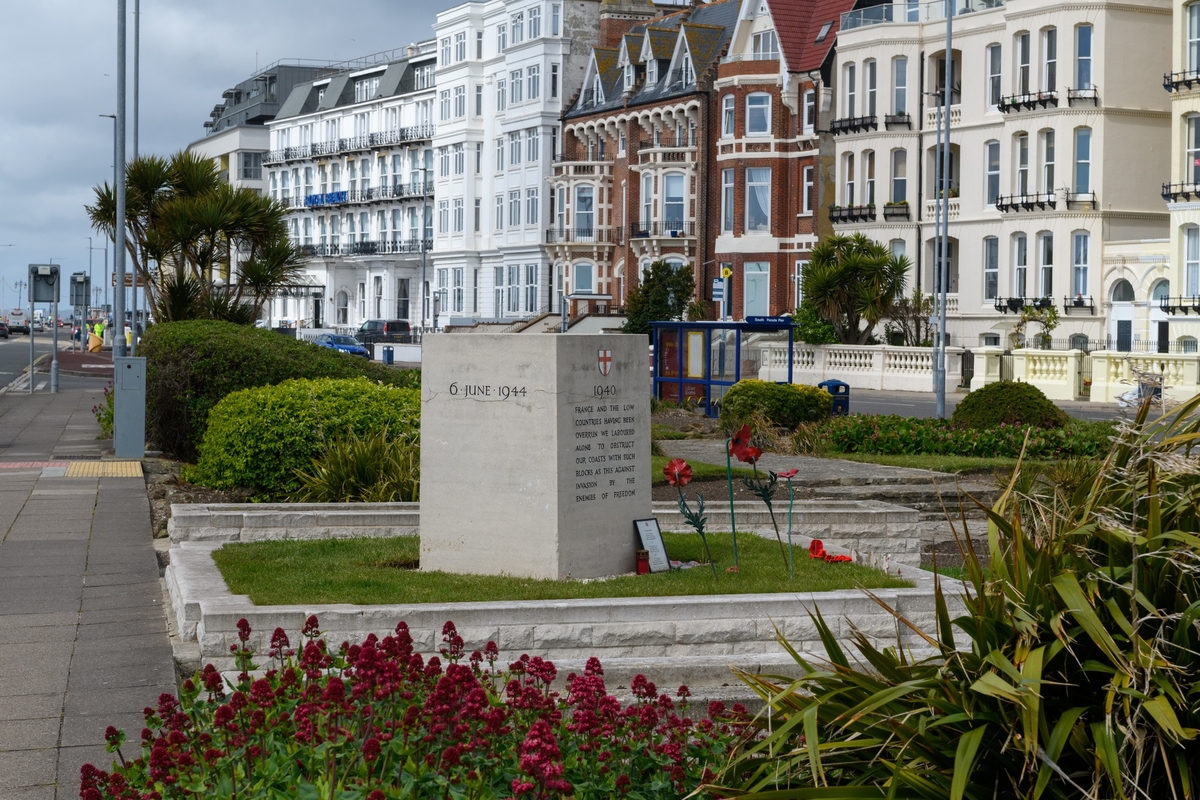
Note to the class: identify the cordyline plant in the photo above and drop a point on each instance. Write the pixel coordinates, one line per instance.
(376, 721)
(1076, 675)
(679, 475)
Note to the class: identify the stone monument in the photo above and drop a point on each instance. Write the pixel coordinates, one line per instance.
(535, 453)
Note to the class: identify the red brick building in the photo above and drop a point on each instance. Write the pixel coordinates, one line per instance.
(696, 141)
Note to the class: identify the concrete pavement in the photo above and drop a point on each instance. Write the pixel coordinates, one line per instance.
(83, 636)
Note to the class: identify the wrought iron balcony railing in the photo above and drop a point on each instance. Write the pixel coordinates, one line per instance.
(1027, 101)
(1176, 81)
(674, 229)
(1176, 192)
(585, 235)
(1027, 202)
(1179, 305)
(854, 125)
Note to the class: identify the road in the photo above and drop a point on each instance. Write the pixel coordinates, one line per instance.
(14, 362)
(922, 404)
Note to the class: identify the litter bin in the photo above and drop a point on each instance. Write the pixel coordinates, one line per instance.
(389, 356)
(841, 396)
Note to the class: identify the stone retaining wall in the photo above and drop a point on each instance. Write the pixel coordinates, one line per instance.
(693, 639)
(874, 533)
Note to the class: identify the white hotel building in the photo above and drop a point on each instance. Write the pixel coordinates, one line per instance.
(506, 70)
(350, 154)
(1059, 128)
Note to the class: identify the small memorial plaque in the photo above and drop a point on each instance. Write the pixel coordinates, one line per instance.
(652, 542)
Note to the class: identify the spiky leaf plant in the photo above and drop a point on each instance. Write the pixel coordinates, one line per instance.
(1076, 674)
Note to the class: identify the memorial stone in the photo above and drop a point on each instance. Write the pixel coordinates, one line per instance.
(535, 453)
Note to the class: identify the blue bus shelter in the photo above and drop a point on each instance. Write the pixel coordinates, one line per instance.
(698, 361)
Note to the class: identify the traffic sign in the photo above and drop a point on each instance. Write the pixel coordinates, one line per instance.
(128, 280)
(718, 289)
(726, 272)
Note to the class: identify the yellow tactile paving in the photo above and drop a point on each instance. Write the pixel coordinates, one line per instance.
(104, 469)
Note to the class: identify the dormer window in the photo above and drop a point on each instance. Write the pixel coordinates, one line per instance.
(652, 71)
(597, 89)
(688, 73)
(628, 77)
(765, 46)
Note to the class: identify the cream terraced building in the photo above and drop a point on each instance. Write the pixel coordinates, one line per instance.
(1176, 290)
(1056, 130)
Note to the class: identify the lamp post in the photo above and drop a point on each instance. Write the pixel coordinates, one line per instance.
(425, 219)
(119, 188)
(941, 265)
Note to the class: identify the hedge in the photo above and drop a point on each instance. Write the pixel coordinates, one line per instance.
(190, 366)
(894, 435)
(1007, 403)
(257, 438)
(784, 405)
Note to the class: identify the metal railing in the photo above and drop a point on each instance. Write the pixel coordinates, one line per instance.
(1174, 192)
(844, 214)
(1179, 305)
(854, 124)
(674, 229)
(1014, 304)
(1078, 303)
(1027, 101)
(897, 119)
(1080, 96)
(914, 12)
(1188, 79)
(1026, 202)
(585, 235)
(894, 211)
(381, 247)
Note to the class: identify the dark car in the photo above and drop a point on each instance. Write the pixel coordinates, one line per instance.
(388, 331)
(3, 330)
(343, 344)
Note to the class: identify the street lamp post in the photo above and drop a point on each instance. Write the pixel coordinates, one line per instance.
(941, 265)
(119, 188)
(424, 244)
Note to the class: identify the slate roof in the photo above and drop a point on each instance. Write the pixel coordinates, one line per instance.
(397, 78)
(797, 24)
(707, 29)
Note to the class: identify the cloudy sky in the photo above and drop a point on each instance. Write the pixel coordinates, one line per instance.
(60, 59)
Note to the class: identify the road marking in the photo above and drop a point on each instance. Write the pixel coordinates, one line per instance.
(41, 385)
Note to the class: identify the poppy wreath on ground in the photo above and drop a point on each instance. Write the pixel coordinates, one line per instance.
(379, 721)
(816, 549)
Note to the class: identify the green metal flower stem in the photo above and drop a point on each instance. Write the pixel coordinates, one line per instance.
(697, 520)
(791, 502)
(765, 489)
(732, 519)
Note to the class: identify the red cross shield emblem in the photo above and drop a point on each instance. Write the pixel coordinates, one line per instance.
(604, 361)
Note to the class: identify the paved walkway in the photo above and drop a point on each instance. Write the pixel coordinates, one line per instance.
(83, 641)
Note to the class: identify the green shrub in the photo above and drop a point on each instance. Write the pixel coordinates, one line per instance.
(190, 366)
(901, 436)
(784, 405)
(259, 438)
(1008, 403)
(375, 468)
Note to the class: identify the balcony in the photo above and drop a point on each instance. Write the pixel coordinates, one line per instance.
(325, 149)
(587, 236)
(586, 169)
(1027, 202)
(326, 199)
(1180, 192)
(1083, 97)
(840, 215)
(891, 121)
(1014, 305)
(1078, 304)
(1080, 198)
(385, 247)
(1027, 102)
(853, 125)
(273, 157)
(931, 115)
(1179, 305)
(665, 152)
(896, 212)
(924, 12)
(401, 135)
(932, 208)
(673, 230)
(354, 144)
(1177, 81)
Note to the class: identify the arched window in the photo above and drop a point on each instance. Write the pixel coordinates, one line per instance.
(1079, 341)
(1020, 245)
(899, 176)
(758, 114)
(869, 80)
(1161, 290)
(900, 85)
(342, 307)
(584, 211)
(810, 111)
(993, 74)
(1049, 59)
(1191, 152)
(1021, 146)
(850, 106)
(647, 200)
(1083, 160)
(1083, 57)
(1122, 292)
(1187, 344)
(1080, 258)
(868, 162)
(1021, 81)
(991, 268)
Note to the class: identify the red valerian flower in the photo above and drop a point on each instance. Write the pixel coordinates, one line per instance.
(739, 442)
(788, 474)
(678, 472)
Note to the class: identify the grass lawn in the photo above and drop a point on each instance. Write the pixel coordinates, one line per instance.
(964, 464)
(700, 471)
(378, 571)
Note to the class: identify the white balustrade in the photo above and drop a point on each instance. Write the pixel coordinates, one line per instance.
(1055, 372)
(1113, 374)
(907, 369)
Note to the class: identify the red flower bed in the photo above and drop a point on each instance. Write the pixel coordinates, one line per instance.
(376, 721)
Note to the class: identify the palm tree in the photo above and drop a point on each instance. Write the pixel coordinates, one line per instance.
(853, 282)
(220, 252)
